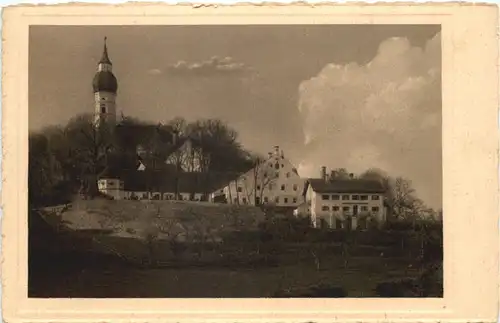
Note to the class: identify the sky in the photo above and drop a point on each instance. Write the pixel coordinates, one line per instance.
(340, 96)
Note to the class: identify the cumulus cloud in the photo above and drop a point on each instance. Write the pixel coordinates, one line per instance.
(385, 114)
(214, 65)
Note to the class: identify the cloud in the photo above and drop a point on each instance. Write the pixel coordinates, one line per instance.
(213, 66)
(155, 71)
(385, 114)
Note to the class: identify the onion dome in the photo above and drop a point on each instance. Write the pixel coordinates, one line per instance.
(104, 79)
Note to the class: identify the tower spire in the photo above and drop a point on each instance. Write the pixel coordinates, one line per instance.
(105, 58)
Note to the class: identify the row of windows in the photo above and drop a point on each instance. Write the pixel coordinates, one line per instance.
(277, 174)
(158, 196)
(335, 197)
(271, 187)
(363, 208)
(266, 200)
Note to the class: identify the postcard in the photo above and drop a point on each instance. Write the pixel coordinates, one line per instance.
(247, 162)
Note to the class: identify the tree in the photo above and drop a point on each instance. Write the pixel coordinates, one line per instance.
(92, 147)
(340, 173)
(400, 196)
(216, 148)
(44, 170)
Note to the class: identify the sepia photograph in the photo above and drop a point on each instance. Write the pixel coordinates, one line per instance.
(235, 161)
(243, 163)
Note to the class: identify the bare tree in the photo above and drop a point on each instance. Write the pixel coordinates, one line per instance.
(93, 145)
(260, 177)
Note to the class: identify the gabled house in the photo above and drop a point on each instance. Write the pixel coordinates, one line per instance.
(186, 156)
(273, 181)
(343, 203)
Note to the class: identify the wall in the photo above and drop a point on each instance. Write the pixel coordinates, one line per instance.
(274, 181)
(187, 157)
(139, 195)
(108, 100)
(337, 207)
(112, 187)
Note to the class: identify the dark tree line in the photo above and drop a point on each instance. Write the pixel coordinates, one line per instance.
(66, 160)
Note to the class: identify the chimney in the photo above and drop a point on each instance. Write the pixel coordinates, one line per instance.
(351, 175)
(333, 174)
(323, 173)
(270, 154)
(277, 150)
(282, 154)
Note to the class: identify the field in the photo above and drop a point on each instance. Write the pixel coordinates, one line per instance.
(138, 251)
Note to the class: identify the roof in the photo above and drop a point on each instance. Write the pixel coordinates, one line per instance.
(168, 181)
(105, 58)
(105, 81)
(355, 185)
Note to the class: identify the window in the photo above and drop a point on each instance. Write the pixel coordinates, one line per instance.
(103, 99)
(103, 108)
(285, 200)
(110, 184)
(294, 200)
(239, 189)
(283, 187)
(375, 209)
(266, 199)
(335, 197)
(288, 174)
(364, 197)
(335, 208)
(345, 197)
(325, 208)
(258, 187)
(325, 197)
(282, 166)
(265, 175)
(277, 199)
(295, 187)
(346, 208)
(277, 166)
(364, 208)
(244, 200)
(355, 197)
(375, 197)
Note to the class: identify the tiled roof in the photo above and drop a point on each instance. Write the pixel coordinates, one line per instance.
(354, 185)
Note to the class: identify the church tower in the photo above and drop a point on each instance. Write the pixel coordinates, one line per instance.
(105, 88)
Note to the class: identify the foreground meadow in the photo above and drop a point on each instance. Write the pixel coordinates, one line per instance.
(175, 249)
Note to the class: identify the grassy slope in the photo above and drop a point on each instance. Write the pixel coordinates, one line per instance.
(130, 223)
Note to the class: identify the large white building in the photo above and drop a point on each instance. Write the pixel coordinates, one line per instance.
(343, 203)
(273, 181)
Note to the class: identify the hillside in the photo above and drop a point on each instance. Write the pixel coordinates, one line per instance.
(163, 219)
